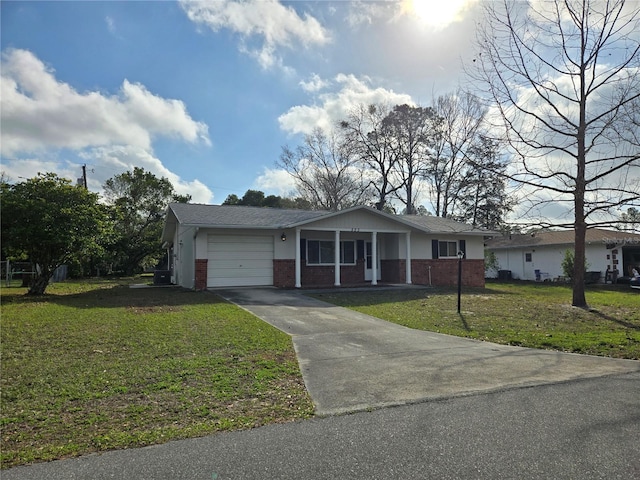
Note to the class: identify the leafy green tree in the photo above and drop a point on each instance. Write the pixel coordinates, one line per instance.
(50, 222)
(138, 202)
(491, 263)
(568, 264)
(231, 200)
(630, 220)
(483, 200)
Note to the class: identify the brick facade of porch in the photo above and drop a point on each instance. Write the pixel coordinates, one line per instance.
(444, 272)
(284, 274)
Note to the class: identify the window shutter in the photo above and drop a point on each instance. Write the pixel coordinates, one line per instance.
(434, 249)
(463, 247)
(360, 252)
(303, 249)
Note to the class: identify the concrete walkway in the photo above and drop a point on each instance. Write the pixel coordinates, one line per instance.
(351, 361)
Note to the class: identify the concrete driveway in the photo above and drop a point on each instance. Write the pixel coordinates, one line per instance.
(351, 361)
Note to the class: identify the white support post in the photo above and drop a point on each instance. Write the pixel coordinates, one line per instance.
(374, 258)
(298, 260)
(408, 265)
(337, 259)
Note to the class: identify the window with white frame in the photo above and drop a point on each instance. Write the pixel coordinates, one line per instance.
(447, 249)
(322, 252)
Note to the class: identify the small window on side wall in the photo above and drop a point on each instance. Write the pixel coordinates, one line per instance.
(527, 257)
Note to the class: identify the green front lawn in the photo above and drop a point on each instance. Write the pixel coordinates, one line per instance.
(537, 315)
(98, 366)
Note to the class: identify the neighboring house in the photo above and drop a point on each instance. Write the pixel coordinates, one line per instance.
(221, 246)
(538, 256)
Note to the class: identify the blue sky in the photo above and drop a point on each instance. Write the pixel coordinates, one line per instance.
(206, 94)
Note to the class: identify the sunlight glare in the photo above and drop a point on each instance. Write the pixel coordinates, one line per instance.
(437, 13)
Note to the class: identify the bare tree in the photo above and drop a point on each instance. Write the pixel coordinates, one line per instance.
(409, 130)
(564, 81)
(324, 172)
(457, 125)
(365, 132)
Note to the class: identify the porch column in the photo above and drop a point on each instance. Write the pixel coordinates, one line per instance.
(337, 259)
(374, 258)
(408, 265)
(298, 261)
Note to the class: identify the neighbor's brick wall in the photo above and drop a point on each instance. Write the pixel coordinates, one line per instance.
(201, 274)
(444, 272)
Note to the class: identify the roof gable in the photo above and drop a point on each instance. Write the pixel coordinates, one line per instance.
(358, 218)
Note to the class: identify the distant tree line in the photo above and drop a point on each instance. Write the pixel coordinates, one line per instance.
(257, 198)
(385, 155)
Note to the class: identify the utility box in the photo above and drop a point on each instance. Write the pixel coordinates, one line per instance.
(162, 277)
(504, 275)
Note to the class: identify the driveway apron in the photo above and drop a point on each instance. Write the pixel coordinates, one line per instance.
(351, 361)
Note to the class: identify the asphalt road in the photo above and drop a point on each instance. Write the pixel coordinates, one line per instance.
(581, 429)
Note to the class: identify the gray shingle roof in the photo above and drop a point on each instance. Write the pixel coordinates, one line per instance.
(240, 216)
(228, 216)
(442, 225)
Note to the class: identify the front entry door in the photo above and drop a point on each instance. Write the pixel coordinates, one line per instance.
(368, 259)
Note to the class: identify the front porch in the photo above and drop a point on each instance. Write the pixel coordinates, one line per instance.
(335, 257)
(425, 272)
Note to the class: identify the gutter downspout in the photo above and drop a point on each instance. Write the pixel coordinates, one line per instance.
(195, 234)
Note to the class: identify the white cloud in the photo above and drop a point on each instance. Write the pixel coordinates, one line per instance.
(332, 106)
(314, 84)
(275, 180)
(109, 161)
(41, 115)
(367, 13)
(111, 26)
(39, 112)
(276, 25)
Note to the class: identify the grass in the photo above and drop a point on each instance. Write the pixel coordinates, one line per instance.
(536, 315)
(98, 366)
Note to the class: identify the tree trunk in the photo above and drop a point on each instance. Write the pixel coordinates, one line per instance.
(580, 223)
(579, 299)
(38, 284)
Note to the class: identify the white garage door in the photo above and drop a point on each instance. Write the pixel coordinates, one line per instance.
(239, 260)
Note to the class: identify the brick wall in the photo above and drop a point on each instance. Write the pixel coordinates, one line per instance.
(284, 273)
(323, 275)
(444, 272)
(201, 274)
(393, 271)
